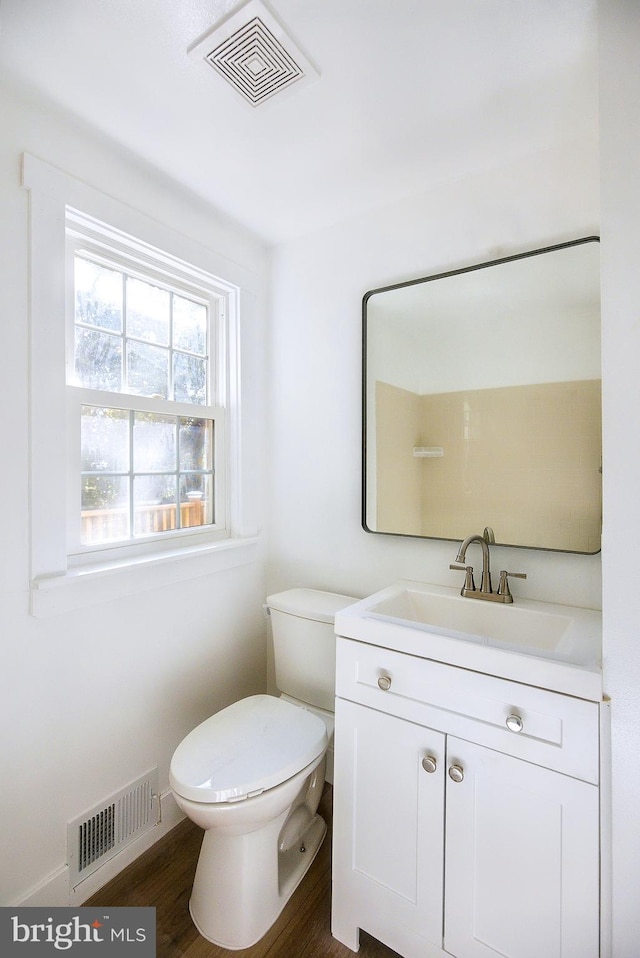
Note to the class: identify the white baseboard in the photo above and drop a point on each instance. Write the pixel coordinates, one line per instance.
(54, 891)
(51, 892)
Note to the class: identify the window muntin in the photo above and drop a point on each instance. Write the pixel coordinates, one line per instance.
(132, 335)
(143, 473)
(150, 461)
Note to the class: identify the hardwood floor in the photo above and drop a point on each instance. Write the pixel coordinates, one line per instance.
(163, 876)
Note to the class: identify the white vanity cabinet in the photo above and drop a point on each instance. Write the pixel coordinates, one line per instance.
(466, 811)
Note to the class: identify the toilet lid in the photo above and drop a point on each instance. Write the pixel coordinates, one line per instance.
(249, 746)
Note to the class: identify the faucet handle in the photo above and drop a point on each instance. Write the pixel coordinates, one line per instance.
(503, 587)
(469, 584)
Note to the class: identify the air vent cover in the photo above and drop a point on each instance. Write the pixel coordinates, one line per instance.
(99, 834)
(255, 54)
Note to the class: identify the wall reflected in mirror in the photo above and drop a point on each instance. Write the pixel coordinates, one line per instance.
(482, 402)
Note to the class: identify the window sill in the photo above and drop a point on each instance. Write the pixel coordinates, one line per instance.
(101, 582)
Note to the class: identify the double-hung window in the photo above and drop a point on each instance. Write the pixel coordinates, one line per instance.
(146, 386)
(139, 455)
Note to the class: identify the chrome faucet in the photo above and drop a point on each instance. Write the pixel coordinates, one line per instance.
(485, 591)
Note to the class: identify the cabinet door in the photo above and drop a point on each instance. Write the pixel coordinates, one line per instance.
(522, 862)
(388, 830)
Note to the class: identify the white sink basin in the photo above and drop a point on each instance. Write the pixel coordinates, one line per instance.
(475, 619)
(552, 646)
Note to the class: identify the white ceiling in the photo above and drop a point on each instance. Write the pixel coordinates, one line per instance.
(411, 93)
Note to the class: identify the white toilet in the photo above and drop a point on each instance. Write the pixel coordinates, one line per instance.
(252, 776)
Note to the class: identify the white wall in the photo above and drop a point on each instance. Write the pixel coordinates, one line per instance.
(314, 444)
(91, 699)
(620, 162)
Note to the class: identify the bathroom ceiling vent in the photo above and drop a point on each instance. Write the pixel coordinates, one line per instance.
(255, 54)
(102, 832)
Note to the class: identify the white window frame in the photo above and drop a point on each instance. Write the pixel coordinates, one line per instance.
(63, 578)
(100, 241)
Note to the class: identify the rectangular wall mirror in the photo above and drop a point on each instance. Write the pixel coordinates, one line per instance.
(481, 403)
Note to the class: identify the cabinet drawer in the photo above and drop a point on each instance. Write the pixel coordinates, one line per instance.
(547, 728)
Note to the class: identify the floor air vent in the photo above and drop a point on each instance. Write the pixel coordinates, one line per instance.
(99, 834)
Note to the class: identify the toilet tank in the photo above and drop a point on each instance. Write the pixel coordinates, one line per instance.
(304, 643)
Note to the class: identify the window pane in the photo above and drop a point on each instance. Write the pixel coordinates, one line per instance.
(104, 439)
(105, 509)
(154, 442)
(147, 312)
(148, 370)
(196, 500)
(196, 443)
(142, 473)
(189, 325)
(98, 295)
(189, 379)
(98, 359)
(154, 504)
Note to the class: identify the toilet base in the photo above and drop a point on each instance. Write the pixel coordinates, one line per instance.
(295, 863)
(243, 882)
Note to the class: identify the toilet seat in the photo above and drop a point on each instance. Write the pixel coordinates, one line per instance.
(248, 747)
